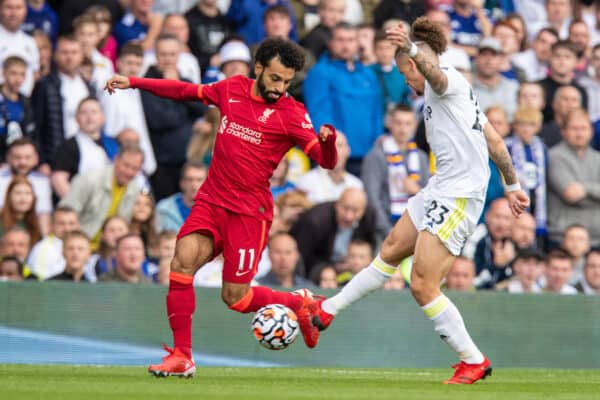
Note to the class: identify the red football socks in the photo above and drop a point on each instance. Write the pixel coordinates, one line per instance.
(181, 303)
(259, 296)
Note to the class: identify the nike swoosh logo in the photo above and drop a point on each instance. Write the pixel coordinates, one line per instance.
(237, 273)
(234, 101)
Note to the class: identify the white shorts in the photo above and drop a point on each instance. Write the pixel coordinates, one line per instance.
(452, 219)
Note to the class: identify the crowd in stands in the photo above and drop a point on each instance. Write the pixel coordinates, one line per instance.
(95, 187)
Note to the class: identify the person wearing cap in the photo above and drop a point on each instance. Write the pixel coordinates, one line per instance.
(233, 59)
(490, 87)
(528, 267)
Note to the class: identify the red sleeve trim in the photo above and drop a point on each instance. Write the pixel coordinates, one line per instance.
(310, 145)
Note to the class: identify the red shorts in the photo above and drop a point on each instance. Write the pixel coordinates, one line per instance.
(241, 238)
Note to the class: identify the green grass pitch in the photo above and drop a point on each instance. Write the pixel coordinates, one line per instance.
(131, 383)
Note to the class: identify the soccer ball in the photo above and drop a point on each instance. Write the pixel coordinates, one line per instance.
(275, 326)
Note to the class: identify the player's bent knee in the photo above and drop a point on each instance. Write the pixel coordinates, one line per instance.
(231, 295)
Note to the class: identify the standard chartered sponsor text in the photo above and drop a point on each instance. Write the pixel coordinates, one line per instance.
(244, 133)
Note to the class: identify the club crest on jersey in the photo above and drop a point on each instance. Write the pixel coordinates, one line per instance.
(266, 114)
(223, 124)
(307, 123)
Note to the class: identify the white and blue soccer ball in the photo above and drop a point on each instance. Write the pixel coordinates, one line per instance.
(275, 326)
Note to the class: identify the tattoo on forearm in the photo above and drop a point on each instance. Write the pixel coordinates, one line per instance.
(502, 159)
(431, 71)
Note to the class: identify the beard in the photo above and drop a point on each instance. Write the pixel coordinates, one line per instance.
(264, 93)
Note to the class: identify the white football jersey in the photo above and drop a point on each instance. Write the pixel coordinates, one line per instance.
(454, 129)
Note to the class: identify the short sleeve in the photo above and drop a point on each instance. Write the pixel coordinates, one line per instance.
(456, 82)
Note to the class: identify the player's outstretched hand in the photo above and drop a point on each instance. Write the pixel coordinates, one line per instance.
(117, 82)
(399, 37)
(324, 133)
(518, 202)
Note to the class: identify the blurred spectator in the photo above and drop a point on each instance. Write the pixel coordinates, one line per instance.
(46, 258)
(331, 13)
(454, 55)
(16, 242)
(567, 98)
(366, 49)
(576, 242)
(591, 83)
(574, 179)
(563, 59)
(391, 82)
(290, 205)
(461, 275)
(55, 98)
(44, 46)
(559, 268)
(518, 22)
(590, 282)
(124, 110)
(247, 17)
(107, 44)
(495, 251)
(470, 24)
(325, 231)
(360, 254)
(321, 185)
(143, 222)
(405, 10)
(341, 91)
(166, 252)
(579, 35)
(328, 278)
(129, 259)
(278, 181)
(85, 152)
(15, 42)
(531, 94)
(395, 169)
(208, 28)
(171, 7)
(284, 256)
(113, 228)
(534, 61)
(68, 10)
(172, 211)
(87, 32)
(42, 17)
(139, 23)
(490, 87)
(506, 34)
(11, 269)
(204, 134)
(19, 209)
(530, 159)
(187, 64)
(107, 192)
(169, 121)
(77, 253)
(523, 231)
(396, 282)
(233, 59)
(528, 268)
(16, 115)
(559, 15)
(498, 117)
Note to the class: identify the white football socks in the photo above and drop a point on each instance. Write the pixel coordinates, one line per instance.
(366, 281)
(448, 323)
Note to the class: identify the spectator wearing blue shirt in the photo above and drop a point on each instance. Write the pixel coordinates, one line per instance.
(139, 23)
(392, 83)
(341, 91)
(173, 210)
(469, 25)
(42, 17)
(16, 115)
(247, 17)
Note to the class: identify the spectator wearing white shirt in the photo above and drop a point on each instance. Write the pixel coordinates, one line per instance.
(87, 32)
(534, 61)
(46, 257)
(322, 185)
(123, 109)
(15, 42)
(22, 158)
(559, 268)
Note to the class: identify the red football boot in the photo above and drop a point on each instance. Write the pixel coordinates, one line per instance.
(310, 333)
(174, 364)
(321, 319)
(467, 374)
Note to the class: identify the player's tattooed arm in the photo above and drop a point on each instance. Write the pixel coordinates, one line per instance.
(428, 65)
(500, 155)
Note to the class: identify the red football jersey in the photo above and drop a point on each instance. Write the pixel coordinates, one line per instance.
(252, 138)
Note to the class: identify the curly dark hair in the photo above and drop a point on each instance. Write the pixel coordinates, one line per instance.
(431, 33)
(288, 53)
